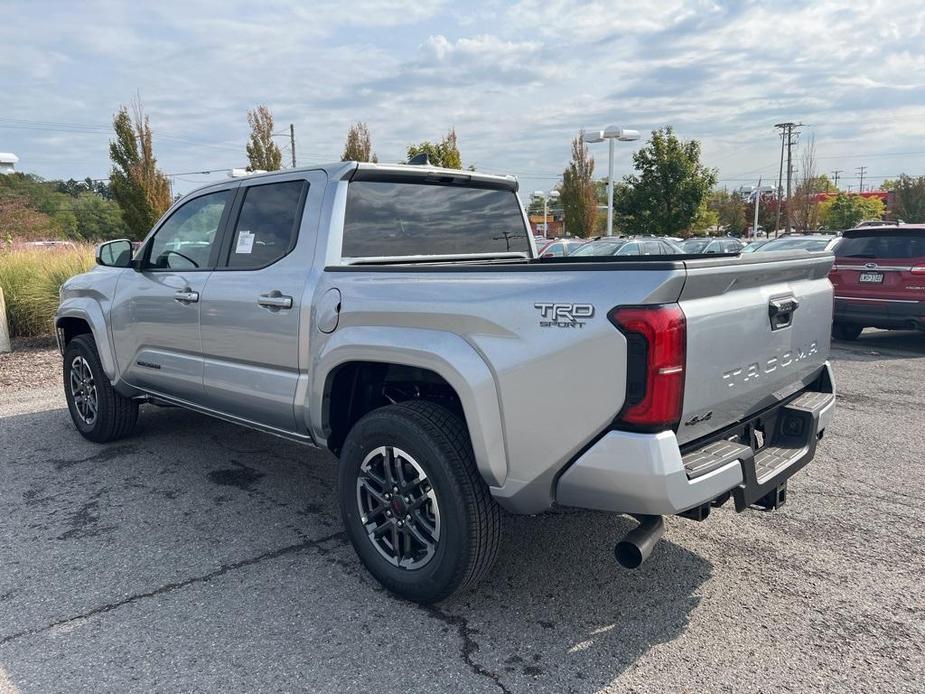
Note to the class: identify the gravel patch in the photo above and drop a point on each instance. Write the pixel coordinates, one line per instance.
(29, 364)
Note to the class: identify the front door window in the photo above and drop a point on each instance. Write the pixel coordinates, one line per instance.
(185, 240)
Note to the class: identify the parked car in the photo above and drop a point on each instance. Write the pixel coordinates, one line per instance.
(397, 316)
(643, 245)
(876, 223)
(559, 247)
(879, 280)
(753, 246)
(708, 245)
(801, 242)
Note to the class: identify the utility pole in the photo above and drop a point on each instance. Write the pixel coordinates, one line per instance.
(788, 135)
(292, 142)
(835, 176)
(861, 171)
(780, 183)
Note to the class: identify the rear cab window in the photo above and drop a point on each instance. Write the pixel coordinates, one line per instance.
(394, 219)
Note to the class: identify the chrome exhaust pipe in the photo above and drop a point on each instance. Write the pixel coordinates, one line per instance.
(636, 547)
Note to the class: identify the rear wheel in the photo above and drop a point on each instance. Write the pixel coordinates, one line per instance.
(99, 412)
(414, 505)
(846, 331)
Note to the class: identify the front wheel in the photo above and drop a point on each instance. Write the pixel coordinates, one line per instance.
(846, 331)
(414, 505)
(99, 412)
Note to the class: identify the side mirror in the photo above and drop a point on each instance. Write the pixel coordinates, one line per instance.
(114, 253)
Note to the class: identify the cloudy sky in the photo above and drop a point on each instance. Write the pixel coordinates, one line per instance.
(516, 80)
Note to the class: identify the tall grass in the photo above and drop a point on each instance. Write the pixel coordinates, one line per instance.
(30, 279)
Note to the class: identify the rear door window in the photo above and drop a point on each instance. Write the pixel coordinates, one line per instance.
(395, 219)
(267, 225)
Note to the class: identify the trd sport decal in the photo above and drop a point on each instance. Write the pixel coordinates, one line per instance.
(553, 315)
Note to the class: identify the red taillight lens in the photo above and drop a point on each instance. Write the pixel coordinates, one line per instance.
(656, 339)
(918, 270)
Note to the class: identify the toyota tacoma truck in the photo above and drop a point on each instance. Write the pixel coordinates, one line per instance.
(399, 316)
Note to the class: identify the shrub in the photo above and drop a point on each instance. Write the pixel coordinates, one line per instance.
(30, 279)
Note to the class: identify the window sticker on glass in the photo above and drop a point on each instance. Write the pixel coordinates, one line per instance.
(245, 241)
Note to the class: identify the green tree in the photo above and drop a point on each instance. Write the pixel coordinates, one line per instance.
(578, 193)
(444, 153)
(32, 208)
(138, 186)
(97, 218)
(668, 193)
(262, 153)
(358, 146)
(730, 210)
(844, 211)
(908, 199)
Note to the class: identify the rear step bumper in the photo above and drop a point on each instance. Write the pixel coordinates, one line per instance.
(626, 472)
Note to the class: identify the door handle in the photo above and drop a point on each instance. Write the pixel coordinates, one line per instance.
(275, 300)
(186, 296)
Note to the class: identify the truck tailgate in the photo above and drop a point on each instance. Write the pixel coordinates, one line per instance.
(758, 329)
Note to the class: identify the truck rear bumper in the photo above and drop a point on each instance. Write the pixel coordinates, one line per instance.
(626, 472)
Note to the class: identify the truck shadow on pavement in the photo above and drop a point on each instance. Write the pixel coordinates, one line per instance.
(221, 536)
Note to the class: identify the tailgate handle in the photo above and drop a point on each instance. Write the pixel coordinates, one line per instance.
(780, 311)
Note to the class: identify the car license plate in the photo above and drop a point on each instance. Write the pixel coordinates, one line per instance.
(871, 277)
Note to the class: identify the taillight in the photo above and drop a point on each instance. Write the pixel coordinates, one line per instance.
(917, 269)
(656, 342)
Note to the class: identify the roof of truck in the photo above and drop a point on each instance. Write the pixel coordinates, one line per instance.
(349, 169)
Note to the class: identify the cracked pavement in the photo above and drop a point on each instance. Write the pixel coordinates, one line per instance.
(198, 556)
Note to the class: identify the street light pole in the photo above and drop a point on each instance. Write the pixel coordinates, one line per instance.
(610, 133)
(610, 190)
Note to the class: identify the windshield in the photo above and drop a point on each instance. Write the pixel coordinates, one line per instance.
(796, 244)
(394, 219)
(600, 248)
(880, 244)
(753, 246)
(695, 245)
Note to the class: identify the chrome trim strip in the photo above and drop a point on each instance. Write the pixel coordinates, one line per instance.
(862, 268)
(885, 301)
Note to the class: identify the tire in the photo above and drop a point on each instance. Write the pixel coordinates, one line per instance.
(84, 380)
(456, 512)
(846, 331)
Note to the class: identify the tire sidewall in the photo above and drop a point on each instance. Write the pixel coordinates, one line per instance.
(447, 567)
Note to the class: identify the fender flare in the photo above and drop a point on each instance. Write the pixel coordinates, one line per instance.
(444, 353)
(90, 312)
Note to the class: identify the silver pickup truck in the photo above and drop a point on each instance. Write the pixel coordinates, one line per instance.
(399, 317)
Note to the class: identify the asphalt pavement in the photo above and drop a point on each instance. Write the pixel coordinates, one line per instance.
(198, 556)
